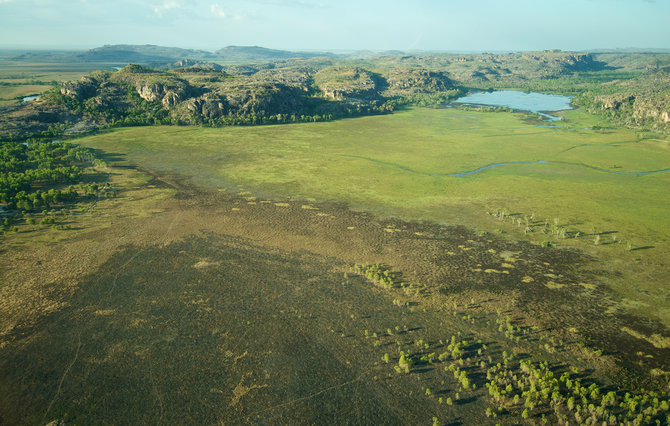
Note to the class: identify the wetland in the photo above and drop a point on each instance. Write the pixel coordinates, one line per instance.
(539, 103)
(364, 256)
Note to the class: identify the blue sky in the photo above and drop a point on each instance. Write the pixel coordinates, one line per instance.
(466, 25)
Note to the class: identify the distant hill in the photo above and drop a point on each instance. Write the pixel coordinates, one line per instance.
(141, 54)
(156, 55)
(119, 54)
(258, 54)
(631, 50)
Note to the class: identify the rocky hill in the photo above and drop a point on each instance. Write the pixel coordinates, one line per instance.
(144, 54)
(341, 82)
(194, 91)
(120, 54)
(160, 55)
(642, 102)
(407, 81)
(244, 97)
(207, 93)
(485, 67)
(261, 54)
(21, 121)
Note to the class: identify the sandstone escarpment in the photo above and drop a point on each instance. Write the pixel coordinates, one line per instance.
(338, 83)
(82, 89)
(153, 86)
(410, 81)
(643, 101)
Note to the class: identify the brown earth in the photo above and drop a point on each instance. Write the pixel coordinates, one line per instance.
(226, 308)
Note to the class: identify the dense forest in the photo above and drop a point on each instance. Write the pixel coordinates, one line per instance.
(42, 177)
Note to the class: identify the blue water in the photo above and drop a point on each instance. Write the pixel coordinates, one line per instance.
(513, 163)
(30, 98)
(508, 163)
(538, 103)
(481, 169)
(653, 172)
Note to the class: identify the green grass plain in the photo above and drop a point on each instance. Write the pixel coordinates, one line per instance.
(160, 303)
(20, 71)
(10, 93)
(31, 78)
(384, 164)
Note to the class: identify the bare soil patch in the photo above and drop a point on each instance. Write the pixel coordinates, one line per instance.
(219, 308)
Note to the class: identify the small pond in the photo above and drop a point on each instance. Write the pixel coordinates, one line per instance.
(30, 98)
(539, 103)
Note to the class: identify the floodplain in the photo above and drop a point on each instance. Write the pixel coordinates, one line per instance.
(272, 273)
(396, 165)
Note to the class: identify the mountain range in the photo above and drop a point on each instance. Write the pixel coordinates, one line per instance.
(152, 54)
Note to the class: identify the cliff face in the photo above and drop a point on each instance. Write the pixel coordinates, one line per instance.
(211, 94)
(85, 88)
(165, 88)
(248, 98)
(168, 96)
(641, 102)
(109, 88)
(519, 66)
(264, 98)
(321, 88)
(338, 83)
(22, 120)
(579, 62)
(404, 81)
(637, 109)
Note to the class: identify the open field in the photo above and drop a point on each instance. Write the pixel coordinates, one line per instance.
(19, 78)
(385, 165)
(320, 273)
(23, 71)
(10, 93)
(199, 306)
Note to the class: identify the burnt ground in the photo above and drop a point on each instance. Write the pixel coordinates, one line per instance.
(28, 118)
(225, 308)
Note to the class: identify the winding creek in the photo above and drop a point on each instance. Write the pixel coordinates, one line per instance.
(508, 163)
(539, 103)
(514, 163)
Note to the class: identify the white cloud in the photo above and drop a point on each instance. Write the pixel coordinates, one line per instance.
(291, 3)
(167, 5)
(217, 11)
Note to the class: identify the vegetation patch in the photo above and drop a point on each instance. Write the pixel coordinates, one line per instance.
(584, 208)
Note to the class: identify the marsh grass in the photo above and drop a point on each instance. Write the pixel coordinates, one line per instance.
(383, 164)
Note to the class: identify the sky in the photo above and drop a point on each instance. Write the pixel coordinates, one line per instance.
(443, 25)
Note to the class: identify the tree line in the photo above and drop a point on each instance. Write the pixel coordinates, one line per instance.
(35, 175)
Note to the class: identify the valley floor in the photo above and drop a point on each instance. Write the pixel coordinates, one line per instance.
(178, 303)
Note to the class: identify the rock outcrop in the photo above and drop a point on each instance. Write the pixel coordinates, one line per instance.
(246, 98)
(643, 101)
(168, 96)
(28, 118)
(153, 86)
(613, 102)
(84, 88)
(188, 66)
(338, 83)
(410, 81)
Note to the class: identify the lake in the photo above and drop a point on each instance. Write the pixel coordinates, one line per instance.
(539, 103)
